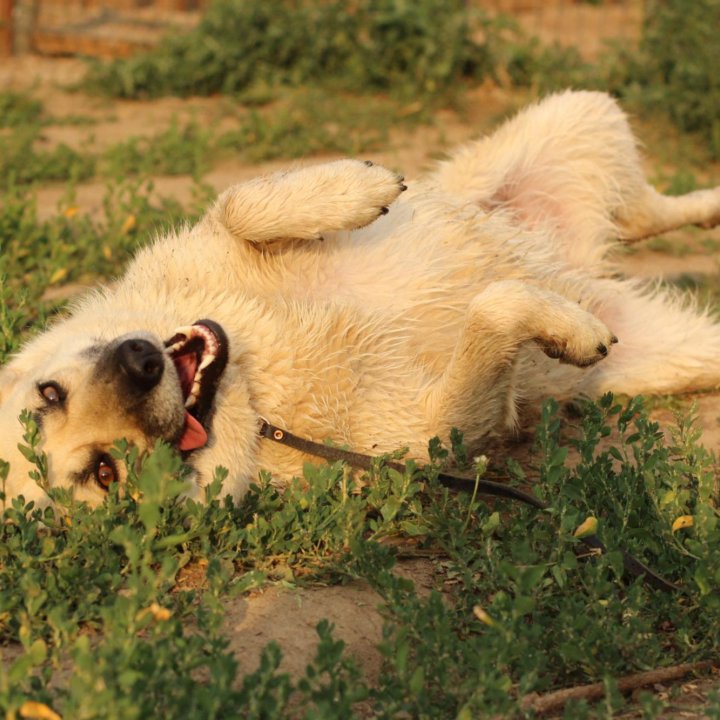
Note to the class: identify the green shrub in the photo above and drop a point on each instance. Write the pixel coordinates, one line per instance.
(179, 150)
(546, 68)
(18, 109)
(417, 48)
(22, 162)
(93, 589)
(68, 247)
(683, 56)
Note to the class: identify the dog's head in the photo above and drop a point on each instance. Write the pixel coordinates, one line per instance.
(86, 394)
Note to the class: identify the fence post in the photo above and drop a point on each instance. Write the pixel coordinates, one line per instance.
(6, 35)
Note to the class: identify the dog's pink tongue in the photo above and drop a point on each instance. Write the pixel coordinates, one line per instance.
(194, 435)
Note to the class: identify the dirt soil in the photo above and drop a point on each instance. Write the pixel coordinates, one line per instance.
(273, 613)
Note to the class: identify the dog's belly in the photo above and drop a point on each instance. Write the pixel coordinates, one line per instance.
(423, 262)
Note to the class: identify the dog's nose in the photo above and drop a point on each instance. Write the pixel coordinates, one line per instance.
(142, 362)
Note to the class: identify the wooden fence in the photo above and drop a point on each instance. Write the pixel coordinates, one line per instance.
(115, 28)
(103, 28)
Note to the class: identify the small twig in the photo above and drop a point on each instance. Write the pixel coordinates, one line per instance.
(556, 700)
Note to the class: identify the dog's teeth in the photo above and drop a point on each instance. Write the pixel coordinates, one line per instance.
(175, 347)
(208, 336)
(207, 360)
(194, 393)
(186, 330)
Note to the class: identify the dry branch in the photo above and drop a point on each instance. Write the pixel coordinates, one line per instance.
(556, 700)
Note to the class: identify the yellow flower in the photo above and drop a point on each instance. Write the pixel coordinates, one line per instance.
(128, 225)
(59, 275)
(587, 527)
(684, 521)
(71, 211)
(37, 711)
(159, 613)
(482, 616)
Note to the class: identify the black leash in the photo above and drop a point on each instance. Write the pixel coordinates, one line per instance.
(632, 565)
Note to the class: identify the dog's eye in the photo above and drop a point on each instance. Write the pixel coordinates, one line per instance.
(105, 472)
(52, 392)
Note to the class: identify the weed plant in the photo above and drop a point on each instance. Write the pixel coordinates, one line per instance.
(677, 66)
(22, 157)
(17, 109)
(297, 123)
(179, 150)
(672, 71)
(21, 162)
(70, 247)
(289, 124)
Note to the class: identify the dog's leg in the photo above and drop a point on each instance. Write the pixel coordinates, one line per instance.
(305, 204)
(569, 166)
(653, 213)
(476, 393)
(562, 167)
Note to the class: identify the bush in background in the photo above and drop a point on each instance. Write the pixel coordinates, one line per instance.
(408, 48)
(680, 58)
(424, 50)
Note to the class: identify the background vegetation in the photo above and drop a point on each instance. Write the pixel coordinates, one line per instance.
(429, 50)
(417, 49)
(95, 598)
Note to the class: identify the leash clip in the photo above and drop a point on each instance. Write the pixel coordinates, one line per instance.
(269, 431)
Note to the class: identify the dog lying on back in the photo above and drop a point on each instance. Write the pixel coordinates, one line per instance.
(334, 304)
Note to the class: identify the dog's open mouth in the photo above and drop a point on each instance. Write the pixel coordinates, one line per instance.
(200, 354)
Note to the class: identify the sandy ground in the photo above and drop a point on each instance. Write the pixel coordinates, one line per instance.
(273, 613)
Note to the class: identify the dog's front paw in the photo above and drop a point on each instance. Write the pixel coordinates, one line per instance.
(372, 188)
(711, 208)
(307, 203)
(581, 350)
(586, 344)
(389, 185)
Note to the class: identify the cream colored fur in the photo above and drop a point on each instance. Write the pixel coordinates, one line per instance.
(381, 331)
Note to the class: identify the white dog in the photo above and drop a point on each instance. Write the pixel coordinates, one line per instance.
(336, 319)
